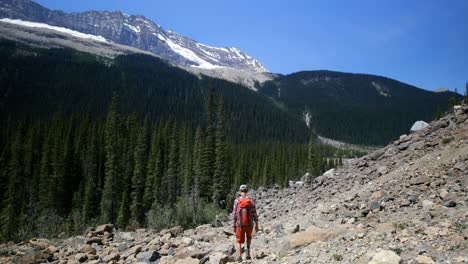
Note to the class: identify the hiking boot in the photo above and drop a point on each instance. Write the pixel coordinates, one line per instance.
(239, 259)
(247, 255)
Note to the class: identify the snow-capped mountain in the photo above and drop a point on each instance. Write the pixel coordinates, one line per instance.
(136, 31)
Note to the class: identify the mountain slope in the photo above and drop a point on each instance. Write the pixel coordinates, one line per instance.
(406, 203)
(36, 82)
(355, 108)
(135, 31)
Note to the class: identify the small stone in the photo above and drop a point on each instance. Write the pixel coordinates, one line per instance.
(93, 240)
(375, 207)
(450, 204)
(424, 260)
(296, 229)
(413, 199)
(427, 204)
(111, 257)
(218, 258)
(385, 257)
(176, 231)
(85, 248)
(81, 257)
(148, 256)
(217, 223)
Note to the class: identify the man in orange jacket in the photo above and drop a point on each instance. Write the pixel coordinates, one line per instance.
(244, 214)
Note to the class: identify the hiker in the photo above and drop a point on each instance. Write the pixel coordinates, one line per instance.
(244, 215)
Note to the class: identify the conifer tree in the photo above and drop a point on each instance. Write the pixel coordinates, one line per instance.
(220, 186)
(173, 168)
(110, 193)
(197, 168)
(209, 148)
(123, 216)
(312, 160)
(91, 196)
(148, 194)
(138, 179)
(10, 214)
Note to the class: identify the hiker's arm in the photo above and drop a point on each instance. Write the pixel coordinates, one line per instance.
(234, 215)
(255, 216)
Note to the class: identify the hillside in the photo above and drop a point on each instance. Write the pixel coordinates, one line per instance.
(36, 82)
(405, 203)
(354, 108)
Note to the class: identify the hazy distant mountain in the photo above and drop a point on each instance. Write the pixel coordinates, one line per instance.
(135, 31)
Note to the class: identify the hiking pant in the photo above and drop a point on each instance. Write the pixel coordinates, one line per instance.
(241, 232)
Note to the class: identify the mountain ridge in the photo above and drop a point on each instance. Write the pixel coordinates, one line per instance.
(136, 31)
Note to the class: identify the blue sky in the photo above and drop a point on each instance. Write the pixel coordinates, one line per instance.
(423, 43)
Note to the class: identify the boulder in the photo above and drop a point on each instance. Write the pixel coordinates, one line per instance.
(385, 257)
(85, 248)
(80, 257)
(93, 240)
(450, 204)
(418, 125)
(39, 243)
(424, 260)
(34, 257)
(148, 256)
(104, 228)
(112, 256)
(176, 231)
(127, 236)
(217, 223)
(218, 258)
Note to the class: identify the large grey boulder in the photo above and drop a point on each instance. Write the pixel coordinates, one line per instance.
(418, 125)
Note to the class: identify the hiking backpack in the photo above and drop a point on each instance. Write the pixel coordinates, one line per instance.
(244, 212)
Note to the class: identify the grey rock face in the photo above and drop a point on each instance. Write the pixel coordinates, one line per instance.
(136, 31)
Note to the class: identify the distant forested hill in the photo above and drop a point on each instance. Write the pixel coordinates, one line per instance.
(355, 108)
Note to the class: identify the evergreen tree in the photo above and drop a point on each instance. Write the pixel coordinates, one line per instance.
(123, 216)
(220, 184)
(148, 194)
(173, 168)
(312, 160)
(210, 145)
(138, 179)
(197, 168)
(91, 195)
(110, 193)
(12, 205)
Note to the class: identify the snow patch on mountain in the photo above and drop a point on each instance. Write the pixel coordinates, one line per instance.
(60, 29)
(188, 54)
(136, 29)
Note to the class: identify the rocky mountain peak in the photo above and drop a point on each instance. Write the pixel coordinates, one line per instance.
(136, 31)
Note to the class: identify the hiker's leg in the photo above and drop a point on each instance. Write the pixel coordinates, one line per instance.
(249, 239)
(239, 251)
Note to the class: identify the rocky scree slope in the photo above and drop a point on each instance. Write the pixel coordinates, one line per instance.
(405, 203)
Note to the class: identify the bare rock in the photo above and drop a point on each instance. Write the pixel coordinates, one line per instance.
(39, 243)
(218, 258)
(386, 257)
(148, 256)
(81, 257)
(421, 259)
(104, 228)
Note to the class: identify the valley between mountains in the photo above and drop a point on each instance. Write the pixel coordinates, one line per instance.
(404, 203)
